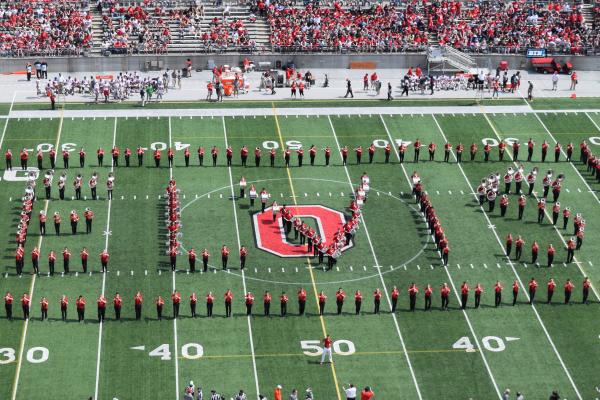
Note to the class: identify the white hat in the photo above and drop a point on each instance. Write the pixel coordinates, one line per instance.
(279, 387)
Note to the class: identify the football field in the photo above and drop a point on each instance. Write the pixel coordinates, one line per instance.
(455, 354)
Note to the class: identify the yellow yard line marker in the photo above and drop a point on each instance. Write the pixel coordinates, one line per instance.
(310, 270)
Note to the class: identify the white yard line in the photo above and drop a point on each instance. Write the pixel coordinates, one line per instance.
(483, 357)
(32, 286)
(545, 210)
(106, 232)
(6, 122)
(174, 288)
(509, 262)
(237, 233)
(592, 120)
(385, 290)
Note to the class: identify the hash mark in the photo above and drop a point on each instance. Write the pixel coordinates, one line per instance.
(269, 270)
(418, 267)
(458, 266)
(119, 273)
(364, 267)
(498, 265)
(431, 266)
(282, 269)
(404, 267)
(255, 271)
(461, 192)
(591, 265)
(449, 191)
(337, 269)
(351, 269)
(485, 266)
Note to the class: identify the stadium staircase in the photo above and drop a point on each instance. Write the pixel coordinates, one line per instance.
(587, 11)
(97, 32)
(448, 59)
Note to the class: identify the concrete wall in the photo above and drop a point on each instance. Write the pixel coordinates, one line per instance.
(303, 61)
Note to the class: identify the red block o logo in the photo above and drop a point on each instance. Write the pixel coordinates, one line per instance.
(270, 235)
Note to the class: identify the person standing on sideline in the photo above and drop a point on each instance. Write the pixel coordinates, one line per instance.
(574, 80)
(350, 392)
(349, 88)
(555, 81)
(327, 342)
(367, 393)
(277, 393)
(530, 91)
(389, 91)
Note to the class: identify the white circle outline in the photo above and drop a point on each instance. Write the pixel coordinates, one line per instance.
(310, 283)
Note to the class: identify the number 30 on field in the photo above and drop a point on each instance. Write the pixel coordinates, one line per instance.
(341, 347)
(35, 355)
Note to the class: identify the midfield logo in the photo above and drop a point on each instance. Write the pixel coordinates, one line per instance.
(270, 234)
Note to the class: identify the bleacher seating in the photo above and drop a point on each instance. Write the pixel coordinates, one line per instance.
(59, 27)
(44, 28)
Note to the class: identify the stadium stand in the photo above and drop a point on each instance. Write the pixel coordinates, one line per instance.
(54, 27)
(46, 28)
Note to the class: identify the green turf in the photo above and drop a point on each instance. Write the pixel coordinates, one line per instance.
(542, 103)
(392, 249)
(308, 103)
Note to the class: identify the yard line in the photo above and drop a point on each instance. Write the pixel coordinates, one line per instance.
(32, 285)
(547, 213)
(412, 372)
(561, 150)
(483, 357)
(310, 268)
(174, 286)
(6, 121)
(510, 261)
(237, 234)
(112, 168)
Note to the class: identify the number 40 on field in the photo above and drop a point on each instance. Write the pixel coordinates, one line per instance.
(494, 344)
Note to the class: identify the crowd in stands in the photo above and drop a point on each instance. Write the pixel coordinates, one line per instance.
(149, 27)
(336, 28)
(483, 26)
(47, 28)
(512, 27)
(55, 27)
